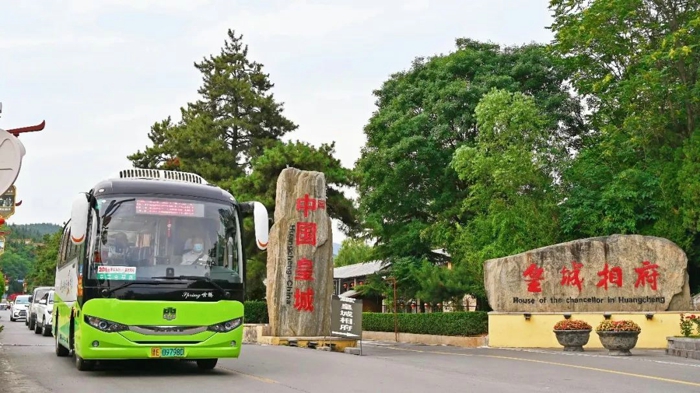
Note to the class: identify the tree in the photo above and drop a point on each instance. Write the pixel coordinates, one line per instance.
(231, 137)
(43, 271)
(513, 197)
(234, 121)
(636, 63)
(353, 251)
(409, 193)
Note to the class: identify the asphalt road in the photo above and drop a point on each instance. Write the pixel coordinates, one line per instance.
(29, 365)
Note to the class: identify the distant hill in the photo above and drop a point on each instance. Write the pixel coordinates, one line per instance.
(34, 232)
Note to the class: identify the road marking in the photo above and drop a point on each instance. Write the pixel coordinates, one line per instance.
(251, 376)
(661, 379)
(622, 358)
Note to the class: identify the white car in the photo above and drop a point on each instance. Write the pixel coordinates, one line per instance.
(44, 314)
(19, 308)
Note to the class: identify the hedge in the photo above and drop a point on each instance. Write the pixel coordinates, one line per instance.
(255, 312)
(444, 324)
(441, 323)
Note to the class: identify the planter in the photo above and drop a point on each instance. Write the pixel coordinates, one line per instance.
(573, 340)
(618, 343)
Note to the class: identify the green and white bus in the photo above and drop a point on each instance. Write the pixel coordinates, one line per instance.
(151, 265)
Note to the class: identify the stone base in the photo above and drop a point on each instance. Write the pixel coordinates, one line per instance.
(619, 352)
(683, 347)
(336, 344)
(427, 339)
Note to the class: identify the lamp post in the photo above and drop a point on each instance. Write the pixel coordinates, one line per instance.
(396, 317)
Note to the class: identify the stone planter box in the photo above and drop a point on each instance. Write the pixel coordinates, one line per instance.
(618, 343)
(684, 347)
(573, 340)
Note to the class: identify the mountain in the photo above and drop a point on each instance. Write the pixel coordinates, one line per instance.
(34, 232)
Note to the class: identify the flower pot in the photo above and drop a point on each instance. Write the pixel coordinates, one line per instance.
(618, 343)
(572, 340)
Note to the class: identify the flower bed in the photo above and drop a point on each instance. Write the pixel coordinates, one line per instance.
(618, 337)
(572, 334)
(687, 345)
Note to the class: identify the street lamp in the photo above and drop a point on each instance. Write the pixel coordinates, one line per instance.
(396, 317)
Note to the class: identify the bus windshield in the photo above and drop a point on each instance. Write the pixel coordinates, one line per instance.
(143, 238)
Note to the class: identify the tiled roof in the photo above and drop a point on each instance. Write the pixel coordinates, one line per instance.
(359, 269)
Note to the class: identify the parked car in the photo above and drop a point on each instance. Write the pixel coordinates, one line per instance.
(39, 292)
(19, 307)
(44, 314)
(4, 305)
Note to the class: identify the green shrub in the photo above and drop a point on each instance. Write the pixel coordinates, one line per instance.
(441, 323)
(255, 312)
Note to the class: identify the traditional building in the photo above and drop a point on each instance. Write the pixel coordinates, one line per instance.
(345, 278)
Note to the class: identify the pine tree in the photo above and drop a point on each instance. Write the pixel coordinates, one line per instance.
(233, 122)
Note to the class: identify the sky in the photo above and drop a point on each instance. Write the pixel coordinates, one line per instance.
(101, 72)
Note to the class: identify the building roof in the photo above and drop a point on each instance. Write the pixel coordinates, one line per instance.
(359, 269)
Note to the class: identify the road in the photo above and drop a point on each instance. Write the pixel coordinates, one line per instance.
(29, 365)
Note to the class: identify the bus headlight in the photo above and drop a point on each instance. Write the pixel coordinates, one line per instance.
(105, 325)
(227, 326)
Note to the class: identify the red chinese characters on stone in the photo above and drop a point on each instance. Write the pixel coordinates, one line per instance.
(306, 204)
(321, 204)
(306, 233)
(534, 276)
(647, 274)
(305, 270)
(572, 277)
(304, 300)
(610, 276)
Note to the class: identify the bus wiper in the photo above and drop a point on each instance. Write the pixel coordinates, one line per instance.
(107, 292)
(197, 278)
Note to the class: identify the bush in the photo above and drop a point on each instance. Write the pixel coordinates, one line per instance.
(255, 312)
(442, 323)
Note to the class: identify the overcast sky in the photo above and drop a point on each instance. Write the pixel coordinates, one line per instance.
(101, 72)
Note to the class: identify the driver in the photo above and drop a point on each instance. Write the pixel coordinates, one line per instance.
(198, 255)
(117, 247)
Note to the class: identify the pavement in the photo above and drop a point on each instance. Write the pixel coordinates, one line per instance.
(28, 365)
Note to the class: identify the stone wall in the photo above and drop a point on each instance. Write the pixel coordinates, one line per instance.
(683, 347)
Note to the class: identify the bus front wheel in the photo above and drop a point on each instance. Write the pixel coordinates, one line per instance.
(83, 365)
(207, 364)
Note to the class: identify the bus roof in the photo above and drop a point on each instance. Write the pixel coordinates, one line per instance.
(161, 182)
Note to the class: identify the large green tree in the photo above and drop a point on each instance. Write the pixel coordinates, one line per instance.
(410, 195)
(232, 137)
(43, 271)
(636, 64)
(513, 197)
(235, 119)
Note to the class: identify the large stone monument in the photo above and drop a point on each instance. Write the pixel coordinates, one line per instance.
(300, 257)
(614, 273)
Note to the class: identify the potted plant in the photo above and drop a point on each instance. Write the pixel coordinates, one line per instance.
(572, 334)
(618, 337)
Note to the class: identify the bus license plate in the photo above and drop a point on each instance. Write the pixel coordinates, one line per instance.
(167, 352)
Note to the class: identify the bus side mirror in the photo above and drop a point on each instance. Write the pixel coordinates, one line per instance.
(79, 219)
(262, 230)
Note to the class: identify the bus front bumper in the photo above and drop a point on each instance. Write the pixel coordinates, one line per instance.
(93, 344)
